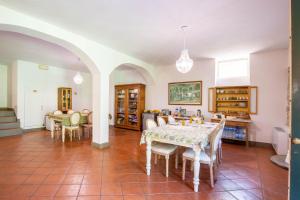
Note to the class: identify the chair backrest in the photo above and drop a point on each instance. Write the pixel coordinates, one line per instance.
(75, 118)
(171, 120)
(161, 121)
(90, 118)
(70, 111)
(86, 111)
(150, 123)
(214, 141)
(57, 112)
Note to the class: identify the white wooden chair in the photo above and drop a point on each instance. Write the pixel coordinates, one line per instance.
(161, 148)
(85, 111)
(89, 125)
(57, 125)
(206, 157)
(70, 112)
(161, 121)
(171, 120)
(74, 126)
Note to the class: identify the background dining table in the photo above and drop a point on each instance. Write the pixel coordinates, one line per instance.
(190, 135)
(64, 119)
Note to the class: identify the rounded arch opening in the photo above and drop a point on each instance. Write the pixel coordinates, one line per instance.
(126, 73)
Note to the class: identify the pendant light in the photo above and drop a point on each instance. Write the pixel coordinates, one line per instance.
(184, 64)
(78, 78)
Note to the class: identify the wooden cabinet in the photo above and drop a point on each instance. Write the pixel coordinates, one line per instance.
(129, 106)
(64, 99)
(233, 100)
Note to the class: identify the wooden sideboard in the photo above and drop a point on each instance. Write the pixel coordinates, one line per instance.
(242, 123)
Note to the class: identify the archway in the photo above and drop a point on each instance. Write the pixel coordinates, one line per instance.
(127, 73)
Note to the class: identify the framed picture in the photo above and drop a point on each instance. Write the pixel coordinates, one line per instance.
(185, 93)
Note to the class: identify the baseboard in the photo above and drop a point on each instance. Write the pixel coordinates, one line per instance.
(33, 130)
(100, 146)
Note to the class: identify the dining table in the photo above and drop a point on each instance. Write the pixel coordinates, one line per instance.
(64, 119)
(191, 135)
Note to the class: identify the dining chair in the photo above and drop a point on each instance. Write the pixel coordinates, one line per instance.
(70, 112)
(161, 121)
(220, 150)
(74, 125)
(206, 157)
(171, 120)
(162, 149)
(57, 125)
(85, 111)
(89, 125)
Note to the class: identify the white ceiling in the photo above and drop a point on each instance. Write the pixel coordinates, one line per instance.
(149, 30)
(15, 46)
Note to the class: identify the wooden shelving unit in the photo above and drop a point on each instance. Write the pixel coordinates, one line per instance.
(236, 101)
(233, 100)
(64, 99)
(129, 106)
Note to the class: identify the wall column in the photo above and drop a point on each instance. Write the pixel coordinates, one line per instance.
(100, 110)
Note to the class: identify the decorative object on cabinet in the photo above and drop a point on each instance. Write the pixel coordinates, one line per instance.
(64, 99)
(129, 105)
(233, 100)
(185, 93)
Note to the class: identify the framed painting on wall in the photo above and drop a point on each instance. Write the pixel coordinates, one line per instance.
(185, 93)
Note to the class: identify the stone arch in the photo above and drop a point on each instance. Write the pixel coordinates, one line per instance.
(63, 43)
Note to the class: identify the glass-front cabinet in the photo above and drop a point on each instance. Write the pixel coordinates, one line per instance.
(129, 105)
(64, 99)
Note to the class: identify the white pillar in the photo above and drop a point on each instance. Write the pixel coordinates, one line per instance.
(100, 110)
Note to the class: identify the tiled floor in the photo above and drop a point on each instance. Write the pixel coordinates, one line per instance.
(33, 166)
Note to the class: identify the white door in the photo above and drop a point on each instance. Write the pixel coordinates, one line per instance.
(34, 116)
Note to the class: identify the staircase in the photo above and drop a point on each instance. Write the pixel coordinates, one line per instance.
(9, 124)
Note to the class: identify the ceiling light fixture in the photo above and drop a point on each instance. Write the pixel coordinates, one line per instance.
(184, 64)
(78, 78)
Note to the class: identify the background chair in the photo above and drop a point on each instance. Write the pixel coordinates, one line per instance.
(57, 125)
(74, 125)
(171, 120)
(85, 111)
(206, 157)
(89, 125)
(161, 148)
(70, 112)
(161, 121)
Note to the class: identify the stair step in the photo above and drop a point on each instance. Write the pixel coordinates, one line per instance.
(8, 119)
(10, 125)
(7, 113)
(9, 132)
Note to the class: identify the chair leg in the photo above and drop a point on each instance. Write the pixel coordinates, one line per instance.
(192, 165)
(155, 159)
(183, 168)
(211, 175)
(167, 165)
(71, 135)
(176, 160)
(78, 132)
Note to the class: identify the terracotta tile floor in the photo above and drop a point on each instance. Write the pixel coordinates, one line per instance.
(33, 166)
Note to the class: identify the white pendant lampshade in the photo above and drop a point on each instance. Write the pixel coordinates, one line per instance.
(78, 78)
(184, 64)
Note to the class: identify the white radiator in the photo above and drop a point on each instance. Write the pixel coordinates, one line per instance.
(280, 140)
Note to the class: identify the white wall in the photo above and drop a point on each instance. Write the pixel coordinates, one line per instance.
(269, 71)
(157, 94)
(34, 91)
(3, 85)
(122, 76)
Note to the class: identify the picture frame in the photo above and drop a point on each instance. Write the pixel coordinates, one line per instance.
(185, 93)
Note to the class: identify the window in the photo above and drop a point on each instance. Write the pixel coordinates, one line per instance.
(232, 72)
